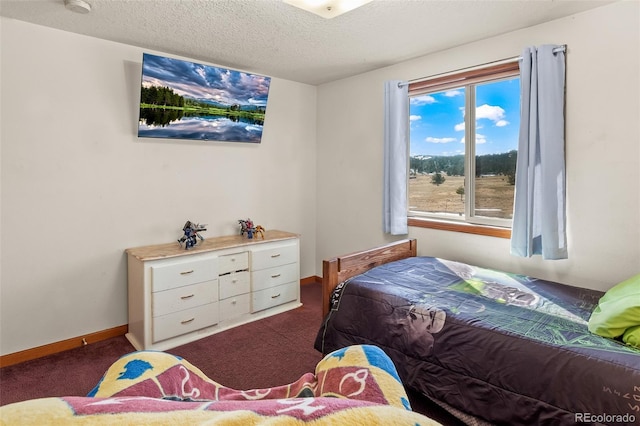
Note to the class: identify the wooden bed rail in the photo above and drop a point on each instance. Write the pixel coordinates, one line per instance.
(341, 268)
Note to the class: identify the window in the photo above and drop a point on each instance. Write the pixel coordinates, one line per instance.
(449, 178)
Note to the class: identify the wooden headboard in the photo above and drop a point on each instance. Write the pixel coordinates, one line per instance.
(341, 268)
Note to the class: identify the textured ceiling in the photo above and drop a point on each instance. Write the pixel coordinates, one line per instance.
(273, 38)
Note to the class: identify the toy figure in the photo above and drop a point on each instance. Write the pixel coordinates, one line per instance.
(251, 230)
(190, 237)
(246, 226)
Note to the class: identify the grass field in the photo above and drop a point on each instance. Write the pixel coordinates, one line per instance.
(494, 196)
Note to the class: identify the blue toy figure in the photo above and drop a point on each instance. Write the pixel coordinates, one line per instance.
(190, 237)
(247, 226)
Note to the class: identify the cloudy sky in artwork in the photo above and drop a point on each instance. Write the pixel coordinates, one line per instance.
(205, 82)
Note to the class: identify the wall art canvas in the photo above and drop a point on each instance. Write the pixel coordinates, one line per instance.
(186, 100)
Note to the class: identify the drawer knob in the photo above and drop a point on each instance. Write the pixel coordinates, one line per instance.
(187, 297)
(186, 272)
(233, 302)
(234, 281)
(233, 259)
(275, 255)
(187, 321)
(275, 275)
(277, 295)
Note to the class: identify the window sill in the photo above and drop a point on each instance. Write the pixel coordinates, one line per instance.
(490, 231)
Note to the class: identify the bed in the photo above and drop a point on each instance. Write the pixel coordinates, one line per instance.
(508, 349)
(354, 385)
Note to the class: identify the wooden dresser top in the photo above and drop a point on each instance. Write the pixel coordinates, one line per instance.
(163, 251)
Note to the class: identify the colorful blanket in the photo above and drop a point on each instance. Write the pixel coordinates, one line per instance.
(354, 385)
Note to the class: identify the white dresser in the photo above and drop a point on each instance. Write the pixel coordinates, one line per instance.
(177, 295)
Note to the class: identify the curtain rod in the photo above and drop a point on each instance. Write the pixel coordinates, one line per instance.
(562, 48)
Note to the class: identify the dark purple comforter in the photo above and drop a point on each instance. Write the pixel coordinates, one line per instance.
(508, 348)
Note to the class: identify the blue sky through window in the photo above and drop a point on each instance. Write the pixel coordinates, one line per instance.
(437, 120)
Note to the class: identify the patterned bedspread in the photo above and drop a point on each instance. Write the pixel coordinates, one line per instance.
(508, 348)
(354, 385)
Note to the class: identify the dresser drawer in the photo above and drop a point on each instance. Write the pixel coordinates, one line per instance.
(178, 274)
(234, 306)
(233, 262)
(271, 277)
(274, 296)
(179, 299)
(176, 296)
(274, 255)
(234, 283)
(182, 322)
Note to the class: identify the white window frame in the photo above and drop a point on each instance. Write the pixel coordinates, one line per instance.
(467, 79)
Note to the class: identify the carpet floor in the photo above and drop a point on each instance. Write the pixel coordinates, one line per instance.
(269, 352)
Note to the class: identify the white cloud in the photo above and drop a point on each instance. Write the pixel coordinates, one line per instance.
(452, 93)
(422, 100)
(459, 127)
(201, 72)
(479, 139)
(415, 117)
(440, 140)
(502, 123)
(493, 113)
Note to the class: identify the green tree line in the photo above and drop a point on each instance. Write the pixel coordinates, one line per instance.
(164, 96)
(488, 164)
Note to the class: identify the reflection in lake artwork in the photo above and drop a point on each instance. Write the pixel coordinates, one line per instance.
(185, 100)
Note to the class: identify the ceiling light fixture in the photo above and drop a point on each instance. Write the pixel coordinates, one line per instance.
(327, 8)
(78, 6)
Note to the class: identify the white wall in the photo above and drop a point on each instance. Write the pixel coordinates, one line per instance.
(79, 187)
(602, 149)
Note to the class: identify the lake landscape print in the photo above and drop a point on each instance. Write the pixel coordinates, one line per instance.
(186, 100)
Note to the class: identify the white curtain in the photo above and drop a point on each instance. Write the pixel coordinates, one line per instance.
(539, 217)
(396, 157)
